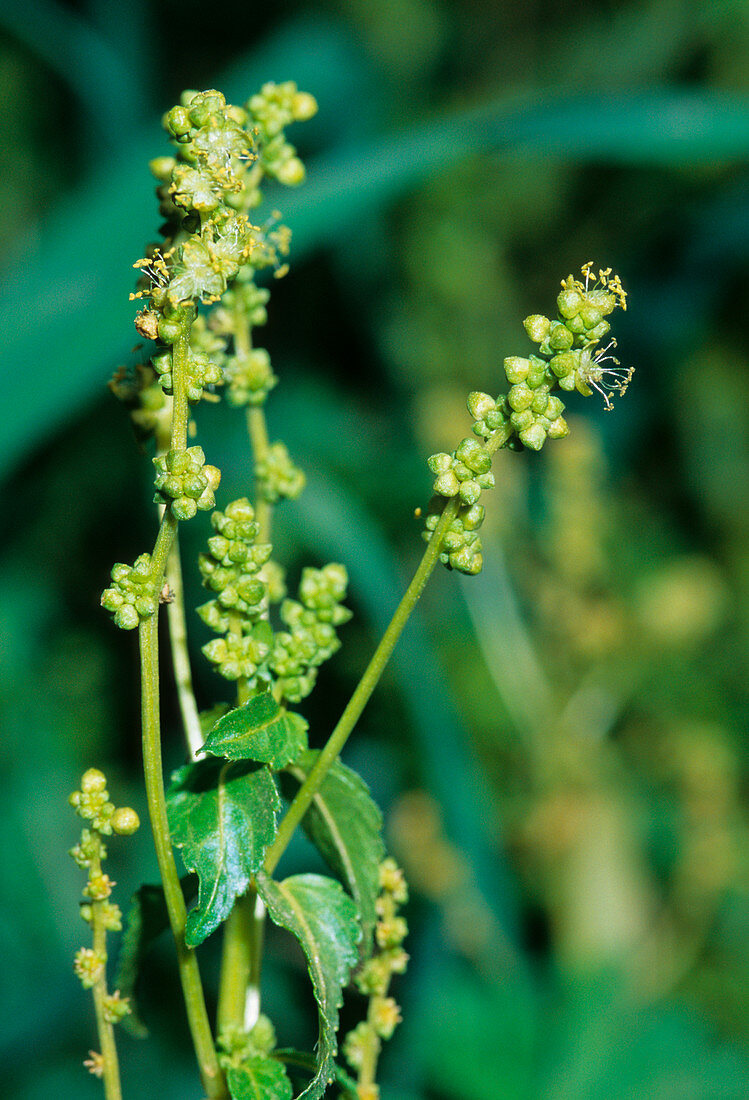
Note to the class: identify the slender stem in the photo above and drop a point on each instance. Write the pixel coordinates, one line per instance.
(197, 1015)
(257, 932)
(257, 429)
(180, 410)
(239, 984)
(235, 968)
(105, 1029)
(366, 686)
(180, 653)
(162, 547)
(239, 988)
(176, 619)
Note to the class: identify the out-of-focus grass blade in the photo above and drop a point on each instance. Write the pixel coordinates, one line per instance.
(107, 89)
(65, 308)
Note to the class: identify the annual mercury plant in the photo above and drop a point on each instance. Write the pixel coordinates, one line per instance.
(250, 778)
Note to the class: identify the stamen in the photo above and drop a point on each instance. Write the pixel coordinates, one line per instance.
(592, 373)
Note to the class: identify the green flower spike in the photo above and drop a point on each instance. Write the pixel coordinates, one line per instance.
(201, 372)
(231, 567)
(92, 803)
(363, 1044)
(271, 110)
(529, 413)
(311, 637)
(249, 378)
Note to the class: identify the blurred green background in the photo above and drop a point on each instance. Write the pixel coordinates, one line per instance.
(560, 743)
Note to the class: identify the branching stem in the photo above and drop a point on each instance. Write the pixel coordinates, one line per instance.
(187, 961)
(180, 653)
(374, 670)
(239, 983)
(361, 695)
(197, 1015)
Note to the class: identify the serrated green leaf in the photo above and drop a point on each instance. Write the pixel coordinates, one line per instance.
(222, 816)
(146, 919)
(321, 915)
(260, 730)
(259, 1079)
(345, 825)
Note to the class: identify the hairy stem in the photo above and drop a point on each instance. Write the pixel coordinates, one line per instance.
(197, 1015)
(361, 695)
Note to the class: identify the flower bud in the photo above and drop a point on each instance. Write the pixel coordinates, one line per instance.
(537, 326)
(303, 106)
(93, 781)
(569, 302)
(516, 369)
(520, 397)
(125, 821)
(533, 437)
(479, 404)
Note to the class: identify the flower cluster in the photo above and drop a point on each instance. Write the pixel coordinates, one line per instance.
(249, 378)
(232, 565)
(201, 372)
(236, 1046)
(363, 1044)
(274, 108)
(461, 545)
(529, 413)
(249, 648)
(230, 569)
(138, 389)
(464, 473)
(276, 475)
(311, 636)
(131, 598)
(184, 480)
(206, 190)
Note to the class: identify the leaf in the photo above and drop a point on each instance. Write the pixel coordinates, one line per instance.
(259, 1079)
(345, 825)
(297, 1059)
(260, 730)
(223, 817)
(146, 919)
(322, 916)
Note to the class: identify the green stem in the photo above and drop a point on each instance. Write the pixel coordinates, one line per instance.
(239, 983)
(180, 653)
(176, 616)
(239, 986)
(162, 547)
(361, 695)
(257, 429)
(180, 409)
(197, 1015)
(105, 1029)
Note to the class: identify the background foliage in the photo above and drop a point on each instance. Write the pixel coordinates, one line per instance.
(559, 746)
